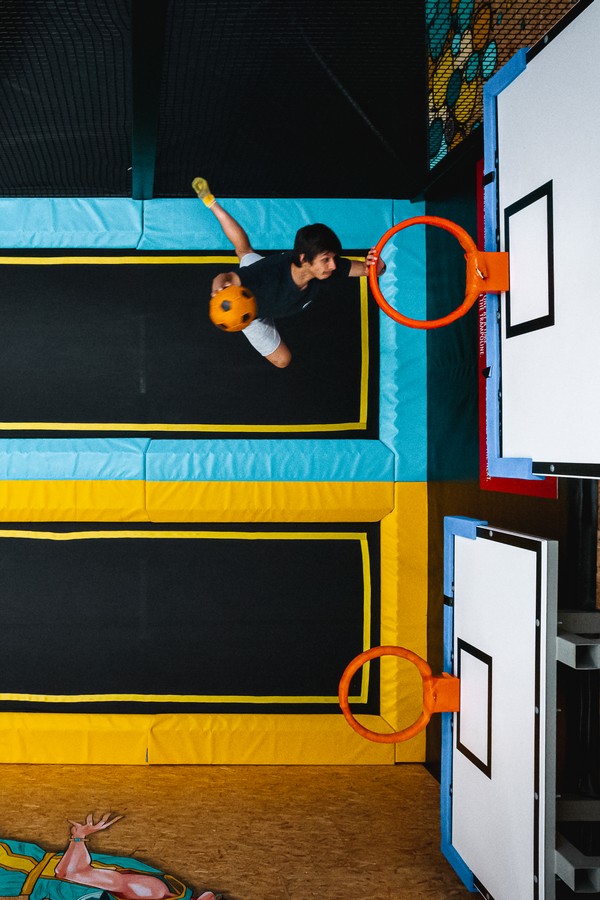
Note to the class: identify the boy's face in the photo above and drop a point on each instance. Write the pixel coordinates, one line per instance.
(322, 266)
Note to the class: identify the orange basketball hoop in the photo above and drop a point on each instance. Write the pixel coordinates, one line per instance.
(486, 272)
(439, 694)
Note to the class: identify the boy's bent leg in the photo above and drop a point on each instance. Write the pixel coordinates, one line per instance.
(280, 357)
(265, 338)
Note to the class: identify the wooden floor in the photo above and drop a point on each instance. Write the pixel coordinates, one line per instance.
(254, 832)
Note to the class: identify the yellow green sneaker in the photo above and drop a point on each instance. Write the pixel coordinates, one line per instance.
(200, 185)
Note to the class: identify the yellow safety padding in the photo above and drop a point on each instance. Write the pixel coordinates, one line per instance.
(404, 582)
(223, 739)
(246, 738)
(73, 501)
(268, 501)
(137, 501)
(78, 738)
(264, 740)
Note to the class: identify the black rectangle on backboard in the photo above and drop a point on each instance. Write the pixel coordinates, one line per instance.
(481, 665)
(524, 254)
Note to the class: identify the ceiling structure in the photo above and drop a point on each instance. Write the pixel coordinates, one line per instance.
(265, 98)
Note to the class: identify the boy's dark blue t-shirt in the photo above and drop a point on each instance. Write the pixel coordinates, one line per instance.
(277, 295)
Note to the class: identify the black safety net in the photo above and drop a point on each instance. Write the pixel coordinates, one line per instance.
(267, 99)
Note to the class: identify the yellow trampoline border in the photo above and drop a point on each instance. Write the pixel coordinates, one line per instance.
(359, 425)
(159, 534)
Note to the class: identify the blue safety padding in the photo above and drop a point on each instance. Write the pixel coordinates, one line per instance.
(70, 222)
(403, 351)
(498, 466)
(512, 467)
(452, 855)
(269, 460)
(448, 638)
(463, 527)
(102, 459)
(490, 225)
(271, 224)
(407, 209)
(452, 525)
(496, 84)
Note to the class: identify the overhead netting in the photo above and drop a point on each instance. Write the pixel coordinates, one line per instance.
(284, 98)
(267, 99)
(65, 98)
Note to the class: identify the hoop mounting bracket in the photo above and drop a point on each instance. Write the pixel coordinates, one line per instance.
(487, 272)
(440, 694)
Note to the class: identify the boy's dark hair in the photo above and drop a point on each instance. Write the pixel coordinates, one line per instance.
(311, 240)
